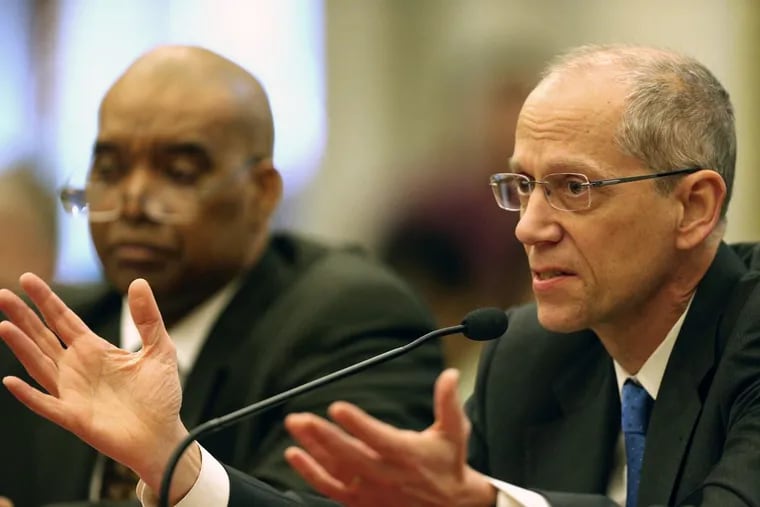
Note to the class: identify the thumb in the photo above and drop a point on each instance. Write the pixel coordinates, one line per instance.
(4, 502)
(449, 416)
(145, 313)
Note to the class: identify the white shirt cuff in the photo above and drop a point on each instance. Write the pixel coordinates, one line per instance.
(513, 496)
(211, 489)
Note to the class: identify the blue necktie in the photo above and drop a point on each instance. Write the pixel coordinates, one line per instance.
(636, 406)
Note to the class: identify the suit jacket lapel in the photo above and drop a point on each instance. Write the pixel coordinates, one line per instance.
(679, 401)
(574, 452)
(209, 375)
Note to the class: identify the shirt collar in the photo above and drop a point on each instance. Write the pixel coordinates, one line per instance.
(651, 373)
(189, 333)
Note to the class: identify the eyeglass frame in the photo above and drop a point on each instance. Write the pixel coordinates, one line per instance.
(66, 193)
(496, 179)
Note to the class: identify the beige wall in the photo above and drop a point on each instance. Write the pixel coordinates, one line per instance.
(744, 214)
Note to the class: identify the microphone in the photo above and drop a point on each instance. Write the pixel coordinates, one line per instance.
(480, 325)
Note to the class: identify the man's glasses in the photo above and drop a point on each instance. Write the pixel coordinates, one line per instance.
(165, 200)
(563, 191)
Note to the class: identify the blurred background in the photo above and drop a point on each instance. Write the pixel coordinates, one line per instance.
(390, 115)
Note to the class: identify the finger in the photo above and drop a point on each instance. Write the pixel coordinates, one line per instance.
(42, 369)
(145, 314)
(315, 475)
(339, 453)
(5, 502)
(64, 322)
(382, 437)
(40, 403)
(449, 415)
(302, 430)
(22, 315)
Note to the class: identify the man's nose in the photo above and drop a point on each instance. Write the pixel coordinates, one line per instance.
(537, 222)
(135, 188)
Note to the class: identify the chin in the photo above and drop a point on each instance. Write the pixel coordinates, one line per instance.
(561, 319)
(159, 282)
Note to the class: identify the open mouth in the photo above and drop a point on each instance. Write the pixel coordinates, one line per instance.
(549, 274)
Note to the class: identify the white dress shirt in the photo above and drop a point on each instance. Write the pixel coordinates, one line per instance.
(216, 486)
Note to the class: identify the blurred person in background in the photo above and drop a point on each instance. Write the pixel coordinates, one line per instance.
(27, 226)
(180, 192)
(28, 230)
(444, 235)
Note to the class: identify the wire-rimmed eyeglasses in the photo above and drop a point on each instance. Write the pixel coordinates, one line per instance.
(166, 201)
(563, 191)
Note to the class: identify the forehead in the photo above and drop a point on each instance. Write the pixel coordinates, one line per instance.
(155, 112)
(569, 122)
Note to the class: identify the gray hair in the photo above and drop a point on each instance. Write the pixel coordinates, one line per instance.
(677, 114)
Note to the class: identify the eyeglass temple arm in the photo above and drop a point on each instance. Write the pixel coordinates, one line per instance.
(615, 181)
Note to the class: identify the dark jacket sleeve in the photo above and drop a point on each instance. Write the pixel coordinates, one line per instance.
(246, 491)
(350, 311)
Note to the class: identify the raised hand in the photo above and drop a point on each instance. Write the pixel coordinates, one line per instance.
(363, 462)
(124, 404)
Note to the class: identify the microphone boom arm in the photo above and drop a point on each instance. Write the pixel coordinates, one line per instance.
(213, 425)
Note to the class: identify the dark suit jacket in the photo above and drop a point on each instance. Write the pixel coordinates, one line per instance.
(302, 312)
(546, 410)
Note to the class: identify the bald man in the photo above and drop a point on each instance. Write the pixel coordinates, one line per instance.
(180, 192)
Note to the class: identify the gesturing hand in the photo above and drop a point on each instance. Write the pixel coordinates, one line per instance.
(124, 404)
(364, 462)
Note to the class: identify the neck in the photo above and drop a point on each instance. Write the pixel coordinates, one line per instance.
(198, 288)
(175, 307)
(631, 338)
(632, 341)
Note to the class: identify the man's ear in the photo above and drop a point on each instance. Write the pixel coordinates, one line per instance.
(701, 196)
(267, 191)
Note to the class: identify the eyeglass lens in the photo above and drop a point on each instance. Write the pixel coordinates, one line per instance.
(564, 191)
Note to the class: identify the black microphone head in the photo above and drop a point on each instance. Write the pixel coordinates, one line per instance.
(485, 324)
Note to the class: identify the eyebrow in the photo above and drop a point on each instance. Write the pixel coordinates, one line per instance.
(192, 149)
(571, 165)
(189, 149)
(101, 147)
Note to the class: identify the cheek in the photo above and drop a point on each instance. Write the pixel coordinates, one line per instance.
(98, 234)
(226, 209)
(630, 250)
(613, 251)
(220, 239)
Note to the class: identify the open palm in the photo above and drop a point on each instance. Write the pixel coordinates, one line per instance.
(124, 404)
(360, 461)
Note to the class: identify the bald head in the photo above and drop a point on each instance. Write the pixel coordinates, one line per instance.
(675, 113)
(183, 153)
(198, 77)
